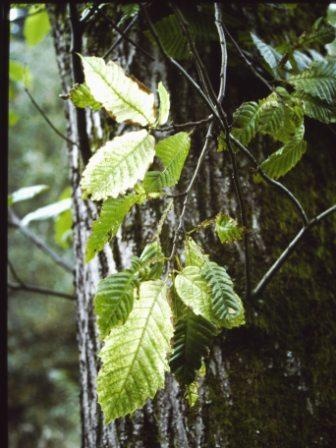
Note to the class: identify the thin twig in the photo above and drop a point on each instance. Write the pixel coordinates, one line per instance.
(181, 69)
(246, 60)
(191, 184)
(39, 290)
(202, 72)
(44, 115)
(121, 37)
(236, 180)
(128, 39)
(271, 181)
(187, 124)
(14, 273)
(42, 245)
(267, 277)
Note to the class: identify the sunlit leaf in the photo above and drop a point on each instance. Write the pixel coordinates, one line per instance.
(118, 165)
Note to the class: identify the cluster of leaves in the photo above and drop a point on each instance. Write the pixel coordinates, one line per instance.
(308, 87)
(147, 328)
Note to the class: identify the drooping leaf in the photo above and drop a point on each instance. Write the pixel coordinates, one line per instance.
(269, 54)
(113, 301)
(194, 292)
(120, 95)
(164, 106)
(316, 108)
(192, 338)
(318, 80)
(172, 151)
(149, 265)
(81, 96)
(226, 304)
(110, 219)
(271, 114)
(284, 159)
(47, 212)
(245, 120)
(134, 355)
(321, 33)
(194, 255)
(25, 193)
(118, 165)
(36, 25)
(227, 229)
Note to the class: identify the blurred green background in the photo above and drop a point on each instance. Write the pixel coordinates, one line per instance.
(43, 368)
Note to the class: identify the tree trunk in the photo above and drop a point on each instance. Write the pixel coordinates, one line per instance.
(266, 382)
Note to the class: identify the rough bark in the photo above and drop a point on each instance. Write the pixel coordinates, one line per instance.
(263, 382)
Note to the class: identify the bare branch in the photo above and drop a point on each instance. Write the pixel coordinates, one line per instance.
(39, 290)
(188, 124)
(246, 60)
(225, 127)
(271, 181)
(289, 249)
(123, 35)
(128, 39)
(181, 69)
(44, 115)
(179, 228)
(42, 245)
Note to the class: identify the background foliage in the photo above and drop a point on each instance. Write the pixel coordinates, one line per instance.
(43, 378)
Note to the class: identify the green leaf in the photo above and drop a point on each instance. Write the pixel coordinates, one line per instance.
(149, 265)
(174, 41)
(192, 338)
(271, 114)
(47, 212)
(227, 229)
(63, 223)
(269, 54)
(36, 25)
(129, 11)
(331, 14)
(19, 73)
(12, 118)
(284, 159)
(172, 151)
(63, 229)
(118, 165)
(321, 33)
(113, 301)
(124, 98)
(81, 96)
(316, 108)
(192, 390)
(226, 304)
(25, 193)
(164, 106)
(194, 292)
(194, 255)
(110, 219)
(319, 80)
(245, 120)
(134, 355)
